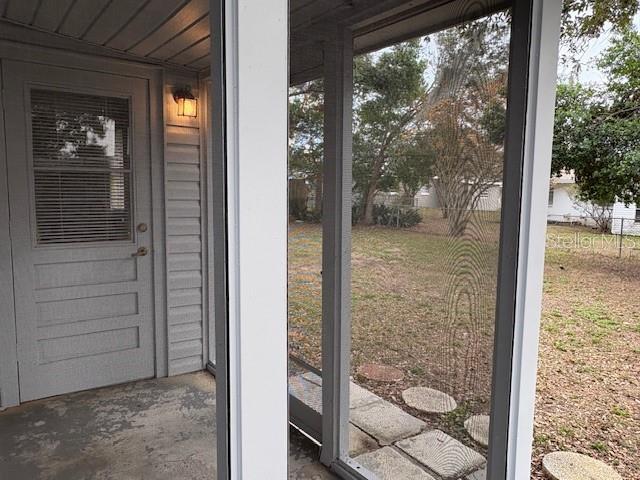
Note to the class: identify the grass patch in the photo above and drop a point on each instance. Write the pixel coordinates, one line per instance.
(425, 303)
(599, 315)
(620, 411)
(600, 447)
(567, 432)
(541, 439)
(453, 421)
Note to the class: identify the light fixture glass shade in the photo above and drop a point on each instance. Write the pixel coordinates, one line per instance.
(187, 107)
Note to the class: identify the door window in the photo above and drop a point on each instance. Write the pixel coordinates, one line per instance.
(81, 167)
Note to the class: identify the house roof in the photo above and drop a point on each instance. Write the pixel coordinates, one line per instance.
(565, 178)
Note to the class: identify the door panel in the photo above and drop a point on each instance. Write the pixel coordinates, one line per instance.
(79, 184)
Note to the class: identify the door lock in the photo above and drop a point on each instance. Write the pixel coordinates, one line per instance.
(142, 227)
(141, 252)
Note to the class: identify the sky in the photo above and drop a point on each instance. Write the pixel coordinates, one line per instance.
(589, 72)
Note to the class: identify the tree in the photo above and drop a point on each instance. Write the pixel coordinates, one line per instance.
(600, 214)
(583, 20)
(306, 115)
(412, 167)
(573, 117)
(588, 18)
(621, 63)
(400, 123)
(597, 130)
(465, 116)
(389, 90)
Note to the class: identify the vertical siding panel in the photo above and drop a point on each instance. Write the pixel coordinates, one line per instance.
(184, 217)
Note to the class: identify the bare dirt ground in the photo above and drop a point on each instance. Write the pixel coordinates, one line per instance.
(424, 303)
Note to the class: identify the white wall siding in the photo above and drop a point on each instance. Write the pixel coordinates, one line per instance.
(426, 198)
(491, 201)
(565, 207)
(627, 214)
(184, 214)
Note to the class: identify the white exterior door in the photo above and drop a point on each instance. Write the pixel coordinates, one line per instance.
(80, 205)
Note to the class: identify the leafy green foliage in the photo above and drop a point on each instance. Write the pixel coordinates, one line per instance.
(306, 117)
(395, 216)
(389, 89)
(597, 131)
(391, 216)
(412, 166)
(583, 20)
(588, 18)
(621, 63)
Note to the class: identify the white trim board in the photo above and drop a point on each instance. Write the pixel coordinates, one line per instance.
(256, 143)
(535, 190)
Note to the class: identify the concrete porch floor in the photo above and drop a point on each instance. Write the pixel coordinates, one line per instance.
(161, 429)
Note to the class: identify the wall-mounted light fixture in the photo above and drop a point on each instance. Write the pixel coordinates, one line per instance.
(187, 103)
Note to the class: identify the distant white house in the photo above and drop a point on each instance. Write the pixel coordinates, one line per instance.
(490, 200)
(626, 219)
(565, 207)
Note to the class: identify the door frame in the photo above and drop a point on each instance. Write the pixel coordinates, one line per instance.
(9, 387)
(9, 50)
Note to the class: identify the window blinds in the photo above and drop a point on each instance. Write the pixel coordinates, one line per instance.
(81, 167)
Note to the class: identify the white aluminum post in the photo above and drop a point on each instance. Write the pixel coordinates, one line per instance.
(543, 61)
(256, 86)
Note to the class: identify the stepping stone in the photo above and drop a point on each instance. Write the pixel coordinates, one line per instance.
(575, 466)
(429, 400)
(313, 378)
(478, 428)
(442, 454)
(385, 422)
(359, 397)
(380, 373)
(307, 392)
(308, 389)
(360, 442)
(388, 464)
(479, 475)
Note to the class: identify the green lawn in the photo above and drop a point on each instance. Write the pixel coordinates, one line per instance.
(424, 302)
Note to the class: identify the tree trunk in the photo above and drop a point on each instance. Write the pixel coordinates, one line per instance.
(458, 220)
(408, 196)
(367, 211)
(366, 216)
(317, 208)
(441, 197)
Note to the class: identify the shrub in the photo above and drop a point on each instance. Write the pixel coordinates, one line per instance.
(395, 216)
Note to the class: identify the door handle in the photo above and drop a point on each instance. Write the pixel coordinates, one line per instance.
(141, 252)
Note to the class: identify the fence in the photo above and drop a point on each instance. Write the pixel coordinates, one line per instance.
(612, 235)
(606, 235)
